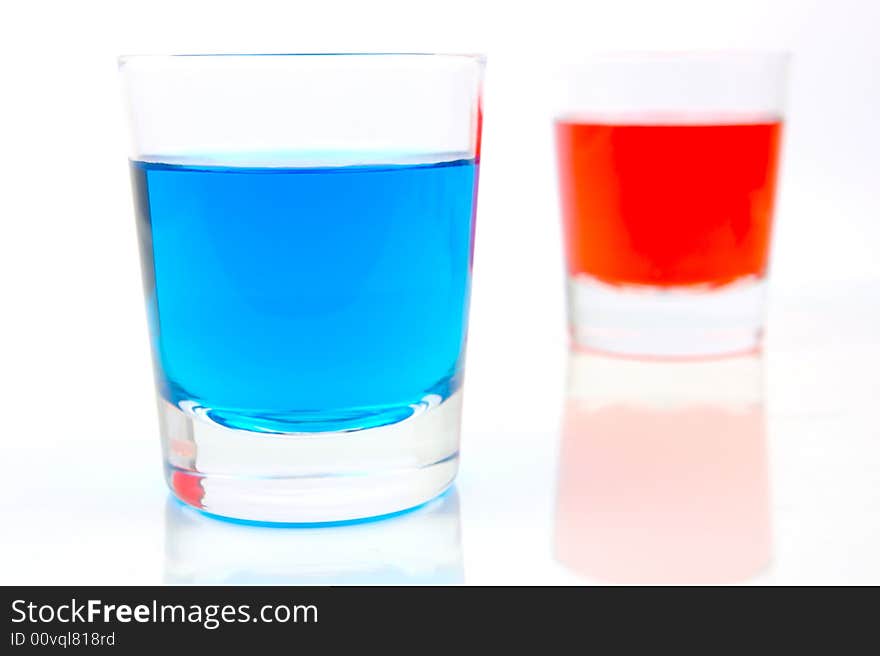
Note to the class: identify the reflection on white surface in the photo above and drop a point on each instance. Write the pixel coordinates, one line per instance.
(421, 546)
(663, 471)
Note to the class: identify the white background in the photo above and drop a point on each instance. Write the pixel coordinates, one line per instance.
(81, 495)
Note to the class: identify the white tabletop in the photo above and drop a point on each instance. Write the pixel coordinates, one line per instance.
(787, 491)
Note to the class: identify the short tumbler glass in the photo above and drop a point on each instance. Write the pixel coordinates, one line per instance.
(306, 233)
(667, 170)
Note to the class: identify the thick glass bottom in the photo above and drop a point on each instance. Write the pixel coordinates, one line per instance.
(306, 478)
(648, 321)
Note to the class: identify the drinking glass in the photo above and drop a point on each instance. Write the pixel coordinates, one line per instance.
(306, 235)
(667, 171)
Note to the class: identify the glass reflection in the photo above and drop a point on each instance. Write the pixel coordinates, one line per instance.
(663, 470)
(421, 546)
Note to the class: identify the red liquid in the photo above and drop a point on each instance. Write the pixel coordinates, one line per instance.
(668, 204)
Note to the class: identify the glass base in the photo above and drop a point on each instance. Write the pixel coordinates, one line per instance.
(418, 547)
(642, 320)
(306, 478)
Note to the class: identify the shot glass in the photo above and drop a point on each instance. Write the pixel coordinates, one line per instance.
(306, 235)
(667, 168)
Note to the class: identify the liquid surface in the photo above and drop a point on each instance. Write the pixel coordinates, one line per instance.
(307, 299)
(667, 204)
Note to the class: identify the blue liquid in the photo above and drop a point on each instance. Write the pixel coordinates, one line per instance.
(306, 299)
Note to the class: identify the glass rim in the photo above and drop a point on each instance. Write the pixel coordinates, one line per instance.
(696, 54)
(475, 57)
